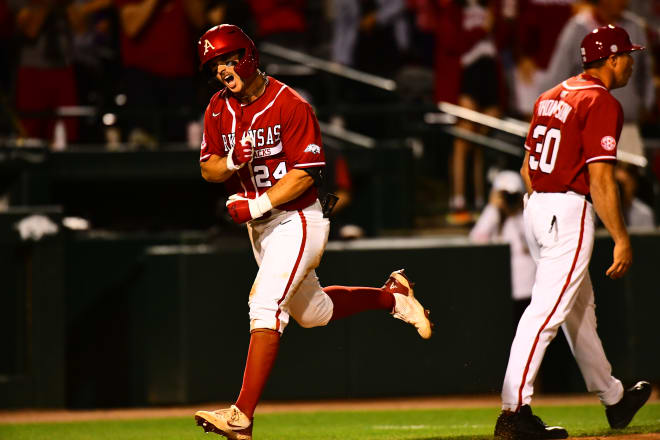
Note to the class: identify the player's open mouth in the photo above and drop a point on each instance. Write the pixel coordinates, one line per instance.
(229, 81)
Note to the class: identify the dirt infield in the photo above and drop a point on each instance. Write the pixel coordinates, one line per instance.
(477, 401)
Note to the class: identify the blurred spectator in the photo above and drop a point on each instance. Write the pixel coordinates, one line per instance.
(94, 32)
(424, 14)
(467, 72)
(636, 213)
(649, 10)
(45, 79)
(228, 11)
(5, 45)
(372, 36)
(159, 61)
(282, 22)
(638, 96)
(8, 121)
(502, 222)
(539, 25)
(337, 180)
(95, 57)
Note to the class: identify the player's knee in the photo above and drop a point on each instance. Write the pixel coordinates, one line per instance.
(307, 320)
(313, 311)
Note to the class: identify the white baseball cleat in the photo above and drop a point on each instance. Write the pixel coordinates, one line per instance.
(406, 306)
(229, 422)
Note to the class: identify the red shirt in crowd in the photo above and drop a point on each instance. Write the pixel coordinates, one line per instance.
(455, 35)
(574, 124)
(165, 46)
(275, 16)
(539, 24)
(286, 133)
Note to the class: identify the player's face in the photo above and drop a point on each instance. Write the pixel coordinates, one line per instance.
(623, 69)
(223, 66)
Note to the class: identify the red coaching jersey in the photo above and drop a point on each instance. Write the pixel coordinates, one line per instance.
(286, 133)
(575, 123)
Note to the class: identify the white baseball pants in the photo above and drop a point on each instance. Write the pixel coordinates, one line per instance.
(288, 246)
(559, 228)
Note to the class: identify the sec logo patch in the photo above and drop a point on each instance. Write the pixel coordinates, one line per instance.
(608, 143)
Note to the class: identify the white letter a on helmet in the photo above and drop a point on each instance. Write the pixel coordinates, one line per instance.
(207, 46)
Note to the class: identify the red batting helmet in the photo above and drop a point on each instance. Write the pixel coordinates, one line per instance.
(605, 41)
(226, 38)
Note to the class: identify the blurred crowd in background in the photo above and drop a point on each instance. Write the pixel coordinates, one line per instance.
(135, 62)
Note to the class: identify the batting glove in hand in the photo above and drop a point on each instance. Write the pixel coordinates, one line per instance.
(241, 153)
(242, 210)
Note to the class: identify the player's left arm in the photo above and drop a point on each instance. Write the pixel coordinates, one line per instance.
(291, 186)
(300, 131)
(605, 195)
(600, 134)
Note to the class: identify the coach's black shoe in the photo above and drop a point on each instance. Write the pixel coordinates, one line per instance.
(622, 412)
(523, 425)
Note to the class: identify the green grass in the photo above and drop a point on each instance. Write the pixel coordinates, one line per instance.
(354, 425)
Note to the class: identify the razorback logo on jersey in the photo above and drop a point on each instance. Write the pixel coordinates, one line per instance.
(313, 148)
(608, 143)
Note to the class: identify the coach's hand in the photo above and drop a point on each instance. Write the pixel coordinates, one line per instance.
(622, 260)
(241, 153)
(242, 210)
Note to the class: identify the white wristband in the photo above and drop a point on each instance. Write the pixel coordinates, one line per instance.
(260, 205)
(230, 162)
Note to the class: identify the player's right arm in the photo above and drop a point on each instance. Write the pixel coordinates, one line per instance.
(605, 195)
(524, 172)
(216, 163)
(215, 169)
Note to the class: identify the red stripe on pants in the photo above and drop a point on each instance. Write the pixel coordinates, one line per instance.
(554, 309)
(295, 267)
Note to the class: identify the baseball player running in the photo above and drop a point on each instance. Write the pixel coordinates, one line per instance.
(569, 161)
(263, 141)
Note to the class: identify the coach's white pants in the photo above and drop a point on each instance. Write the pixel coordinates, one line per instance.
(288, 246)
(562, 296)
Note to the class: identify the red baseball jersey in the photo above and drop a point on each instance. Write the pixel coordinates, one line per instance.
(575, 123)
(286, 133)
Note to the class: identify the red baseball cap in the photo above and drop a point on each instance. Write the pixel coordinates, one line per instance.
(605, 41)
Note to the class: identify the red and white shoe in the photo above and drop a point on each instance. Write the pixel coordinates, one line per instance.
(406, 306)
(229, 422)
